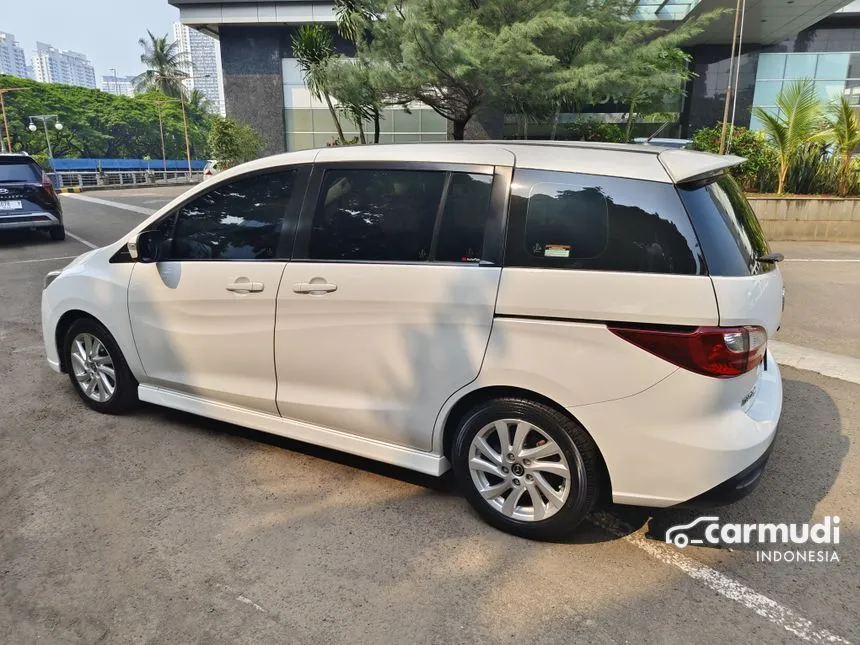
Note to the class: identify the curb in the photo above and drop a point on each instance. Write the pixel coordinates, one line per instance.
(76, 189)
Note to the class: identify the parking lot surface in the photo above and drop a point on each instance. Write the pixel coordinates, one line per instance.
(162, 527)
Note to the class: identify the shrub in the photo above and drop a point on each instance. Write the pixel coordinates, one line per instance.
(760, 172)
(591, 130)
(232, 143)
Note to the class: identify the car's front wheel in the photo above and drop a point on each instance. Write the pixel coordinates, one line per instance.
(526, 468)
(97, 368)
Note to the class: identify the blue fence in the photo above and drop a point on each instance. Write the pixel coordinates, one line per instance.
(129, 165)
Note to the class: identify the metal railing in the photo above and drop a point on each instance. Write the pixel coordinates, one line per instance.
(123, 178)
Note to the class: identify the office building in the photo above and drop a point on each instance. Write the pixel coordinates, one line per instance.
(52, 65)
(202, 56)
(782, 40)
(118, 85)
(12, 59)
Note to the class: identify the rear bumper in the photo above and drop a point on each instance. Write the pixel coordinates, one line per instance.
(38, 219)
(686, 439)
(734, 488)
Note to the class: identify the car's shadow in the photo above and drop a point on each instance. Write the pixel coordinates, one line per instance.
(810, 442)
(24, 237)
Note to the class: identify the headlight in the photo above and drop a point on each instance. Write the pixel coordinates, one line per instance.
(53, 275)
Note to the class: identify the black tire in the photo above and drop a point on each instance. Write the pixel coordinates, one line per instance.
(58, 233)
(124, 396)
(575, 444)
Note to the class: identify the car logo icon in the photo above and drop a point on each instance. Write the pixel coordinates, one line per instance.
(677, 534)
(3, 191)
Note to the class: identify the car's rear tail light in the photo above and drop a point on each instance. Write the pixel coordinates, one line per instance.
(48, 185)
(722, 352)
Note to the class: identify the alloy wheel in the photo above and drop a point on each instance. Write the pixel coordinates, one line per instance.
(93, 367)
(521, 471)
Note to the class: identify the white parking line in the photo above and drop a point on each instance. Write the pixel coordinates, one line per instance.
(821, 260)
(846, 368)
(81, 240)
(727, 587)
(65, 257)
(107, 202)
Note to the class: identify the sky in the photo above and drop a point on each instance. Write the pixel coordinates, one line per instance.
(106, 31)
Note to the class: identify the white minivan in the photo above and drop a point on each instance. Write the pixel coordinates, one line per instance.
(557, 323)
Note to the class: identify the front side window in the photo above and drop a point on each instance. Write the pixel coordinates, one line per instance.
(376, 215)
(240, 220)
(573, 221)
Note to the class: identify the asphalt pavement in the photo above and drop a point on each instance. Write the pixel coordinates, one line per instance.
(162, 527)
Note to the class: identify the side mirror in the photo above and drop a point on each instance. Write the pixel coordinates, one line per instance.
(149, 247)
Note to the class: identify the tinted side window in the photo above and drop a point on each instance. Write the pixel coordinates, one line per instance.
(572, 221)
(240, 220)
(464, 218)
(377, 215)
(730, 233)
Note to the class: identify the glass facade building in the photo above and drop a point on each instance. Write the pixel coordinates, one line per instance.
(309, 124)
(783, 40)
(833, 74)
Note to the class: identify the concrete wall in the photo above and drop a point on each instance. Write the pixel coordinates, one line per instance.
(819, 219)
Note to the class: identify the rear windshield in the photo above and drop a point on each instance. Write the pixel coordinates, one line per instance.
(727, 228)
(18, 171)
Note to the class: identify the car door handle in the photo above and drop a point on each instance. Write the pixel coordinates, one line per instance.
(244, 285)
(318, 288)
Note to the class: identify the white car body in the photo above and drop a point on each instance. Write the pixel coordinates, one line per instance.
(376, 367)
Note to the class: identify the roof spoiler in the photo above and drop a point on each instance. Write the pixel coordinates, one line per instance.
(686, 166)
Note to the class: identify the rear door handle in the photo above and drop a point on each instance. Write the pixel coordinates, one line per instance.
(314, 287)
(244, 285)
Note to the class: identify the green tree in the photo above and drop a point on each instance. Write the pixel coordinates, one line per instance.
(313, 49)
(604, 53)
(197, 101)
(165, 65)
(525, 56)
(232, 143)
(98, 124)
(458, 56)
(793, 125)
(843, 132)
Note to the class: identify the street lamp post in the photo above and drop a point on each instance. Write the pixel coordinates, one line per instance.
(44, 118)
(161, 130)
(185, 125)
(8, 143)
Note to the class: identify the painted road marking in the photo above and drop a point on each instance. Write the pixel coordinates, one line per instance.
(113, 204)
(66, 257)
(727, 587)
(838, 366)
(821, 260)
(82, 240)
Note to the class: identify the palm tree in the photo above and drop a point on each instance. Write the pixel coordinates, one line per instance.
(165, 66)
(843, 132)
(312, 47)
(793, 125)
(197, 101)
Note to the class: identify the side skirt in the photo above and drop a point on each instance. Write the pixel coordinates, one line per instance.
(423, 462)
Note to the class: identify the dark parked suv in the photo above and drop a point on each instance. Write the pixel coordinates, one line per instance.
(27, 197)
